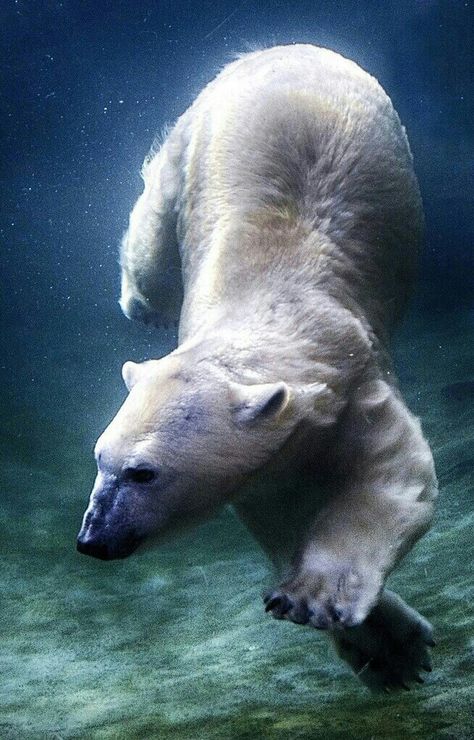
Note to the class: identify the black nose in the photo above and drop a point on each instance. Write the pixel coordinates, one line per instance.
(97, 548)
(94, 548)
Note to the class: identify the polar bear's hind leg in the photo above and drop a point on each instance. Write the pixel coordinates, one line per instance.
(151, 289)
(390, 648)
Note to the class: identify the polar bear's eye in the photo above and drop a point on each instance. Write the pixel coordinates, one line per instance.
(139, 475)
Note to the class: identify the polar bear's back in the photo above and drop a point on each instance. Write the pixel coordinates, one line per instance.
(307, 134)
(305, 110)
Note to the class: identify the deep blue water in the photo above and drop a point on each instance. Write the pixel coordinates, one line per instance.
(89, 649)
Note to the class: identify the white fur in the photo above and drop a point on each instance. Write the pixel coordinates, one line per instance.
(285, 204)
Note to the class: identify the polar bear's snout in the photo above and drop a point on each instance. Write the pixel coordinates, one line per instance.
(103, 550)
(106, 550)
(103, 533)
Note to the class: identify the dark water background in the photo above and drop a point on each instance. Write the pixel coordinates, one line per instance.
(174, 643)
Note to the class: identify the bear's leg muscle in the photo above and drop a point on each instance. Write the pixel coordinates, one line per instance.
(151, 288)
(382, 506)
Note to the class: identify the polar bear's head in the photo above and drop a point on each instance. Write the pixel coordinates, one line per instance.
(183, 442)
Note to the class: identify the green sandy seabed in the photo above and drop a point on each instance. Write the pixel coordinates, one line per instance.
(175, 643)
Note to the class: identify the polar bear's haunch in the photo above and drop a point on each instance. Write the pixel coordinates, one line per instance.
(281, 218)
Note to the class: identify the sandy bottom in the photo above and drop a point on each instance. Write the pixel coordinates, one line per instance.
(175, 643)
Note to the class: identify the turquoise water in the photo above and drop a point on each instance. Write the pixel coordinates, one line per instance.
(174, 642)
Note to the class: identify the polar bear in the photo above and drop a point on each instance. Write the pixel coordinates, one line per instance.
(281, 219)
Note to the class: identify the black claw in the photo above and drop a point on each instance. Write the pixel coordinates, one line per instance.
(431, 643)
(419, 679)
(300, 613)
(336, 612)
(278, 604)
(271, 597)
(319, 622)
(271, 603)
(426, 667)
(405, 686)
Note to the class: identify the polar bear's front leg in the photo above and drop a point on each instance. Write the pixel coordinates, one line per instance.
(382, 505)
(151, 289)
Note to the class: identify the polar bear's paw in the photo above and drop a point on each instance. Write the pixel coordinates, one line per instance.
(387, 651)
(339, 595)
(390, 649)
(141, 310)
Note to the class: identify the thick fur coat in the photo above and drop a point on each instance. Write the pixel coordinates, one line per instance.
(280, 222)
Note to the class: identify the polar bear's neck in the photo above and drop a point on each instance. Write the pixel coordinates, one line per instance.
(262, 303)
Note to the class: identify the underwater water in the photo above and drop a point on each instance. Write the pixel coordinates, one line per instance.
(174, 642)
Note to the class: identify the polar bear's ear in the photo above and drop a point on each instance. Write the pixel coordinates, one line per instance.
(252, 403)
(130, 374)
